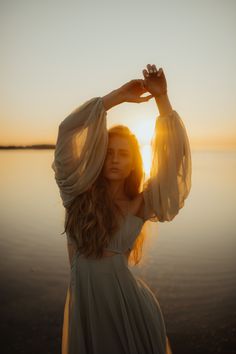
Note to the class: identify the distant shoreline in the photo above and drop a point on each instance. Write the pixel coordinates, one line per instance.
(52, 147)
(37, 146)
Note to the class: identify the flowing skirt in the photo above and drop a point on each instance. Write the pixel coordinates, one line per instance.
(108, 310)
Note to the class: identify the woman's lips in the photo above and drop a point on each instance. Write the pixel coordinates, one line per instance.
(114, 169)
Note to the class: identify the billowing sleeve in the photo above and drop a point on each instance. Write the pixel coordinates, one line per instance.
(80, 149)
(169, 184)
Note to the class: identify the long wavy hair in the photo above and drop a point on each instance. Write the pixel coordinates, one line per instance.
(91, 220)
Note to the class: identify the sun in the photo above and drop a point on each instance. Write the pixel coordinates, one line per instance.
(144, 131)
(146, 156)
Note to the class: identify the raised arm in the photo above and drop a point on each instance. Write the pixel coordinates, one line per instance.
(80, 149)
(82, 140)
(129, 92)
(164, 193)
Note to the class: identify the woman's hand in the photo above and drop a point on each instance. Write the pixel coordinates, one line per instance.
(132, 90)
(155, 81)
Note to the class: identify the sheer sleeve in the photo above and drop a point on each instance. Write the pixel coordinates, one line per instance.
(80, 149)
(164, 193)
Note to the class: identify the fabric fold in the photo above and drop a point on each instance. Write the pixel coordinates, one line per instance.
(80, 149)
(169, 184)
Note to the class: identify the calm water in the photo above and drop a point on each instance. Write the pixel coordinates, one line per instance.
(189, 263)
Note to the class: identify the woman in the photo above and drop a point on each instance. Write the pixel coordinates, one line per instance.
(107, 201)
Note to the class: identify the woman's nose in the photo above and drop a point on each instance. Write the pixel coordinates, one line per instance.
(114, 157)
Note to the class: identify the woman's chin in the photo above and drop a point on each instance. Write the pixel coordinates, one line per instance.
(114, 177)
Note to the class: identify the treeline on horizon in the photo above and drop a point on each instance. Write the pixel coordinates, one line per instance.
(36, 146)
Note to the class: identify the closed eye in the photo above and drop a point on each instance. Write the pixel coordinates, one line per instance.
(122, 153)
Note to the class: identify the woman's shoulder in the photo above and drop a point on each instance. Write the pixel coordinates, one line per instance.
(137, 206)
(134, 206)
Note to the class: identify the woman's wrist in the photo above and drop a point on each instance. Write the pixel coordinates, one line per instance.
(112, 99)
(163, 104)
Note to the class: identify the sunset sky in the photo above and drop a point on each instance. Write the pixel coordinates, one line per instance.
(57, 54)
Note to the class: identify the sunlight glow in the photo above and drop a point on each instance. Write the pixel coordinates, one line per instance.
(144, 131)
(146, 155)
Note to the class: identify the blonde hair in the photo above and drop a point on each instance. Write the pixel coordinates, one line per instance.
(91, 220)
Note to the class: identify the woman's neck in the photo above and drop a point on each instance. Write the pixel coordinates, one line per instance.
(116, 189)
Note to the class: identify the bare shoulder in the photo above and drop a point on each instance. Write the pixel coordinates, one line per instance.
(137, 206)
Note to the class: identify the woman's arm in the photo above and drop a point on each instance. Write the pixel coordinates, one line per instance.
(112, 99)
(169, 184)
(164, 105)
(129, 92)
(81, 142)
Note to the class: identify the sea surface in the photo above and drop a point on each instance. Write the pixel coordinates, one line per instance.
(189, 262)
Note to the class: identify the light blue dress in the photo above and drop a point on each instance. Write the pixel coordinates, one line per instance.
(108, 310)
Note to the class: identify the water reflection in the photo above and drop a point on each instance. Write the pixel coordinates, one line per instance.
(189, 262)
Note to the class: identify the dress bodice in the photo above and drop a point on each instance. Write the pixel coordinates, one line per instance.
(124, 239)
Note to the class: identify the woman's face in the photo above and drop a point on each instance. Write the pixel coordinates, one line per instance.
(119, 156)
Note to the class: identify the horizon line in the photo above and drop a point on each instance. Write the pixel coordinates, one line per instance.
(193, 146)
